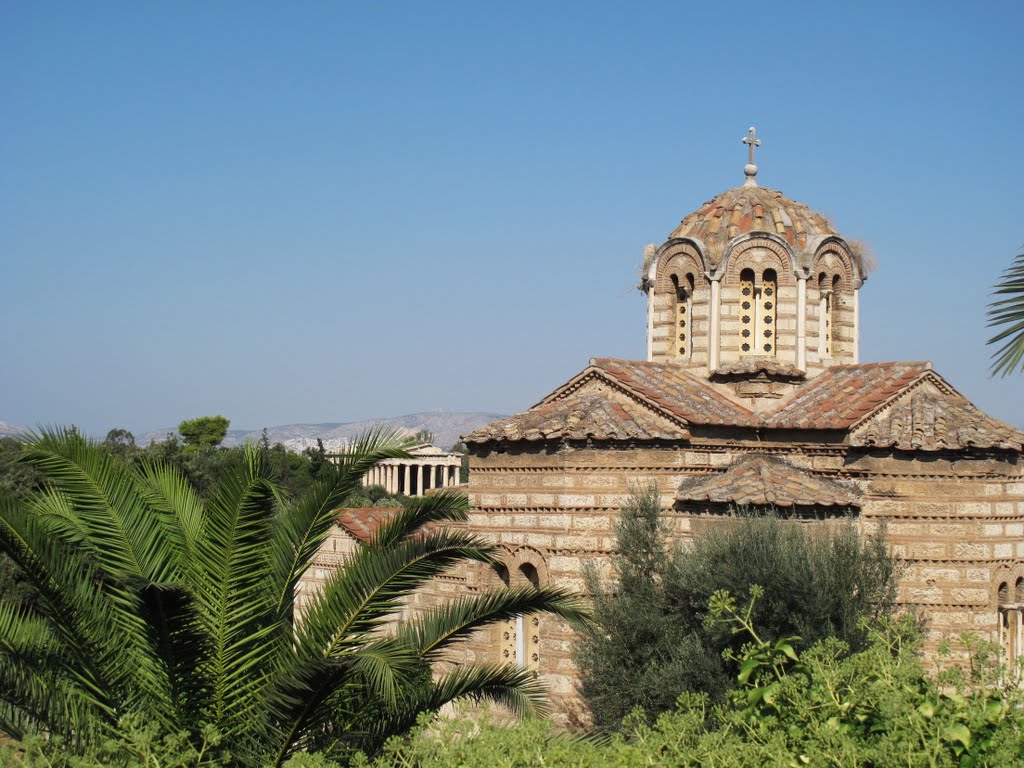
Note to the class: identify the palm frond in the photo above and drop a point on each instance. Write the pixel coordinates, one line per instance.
(232, 600)
(435, 630)
(446, 506)
(304, 525)
(359, 599)
(1007, 314)
(74, 603)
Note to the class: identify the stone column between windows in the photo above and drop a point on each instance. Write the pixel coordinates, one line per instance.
(716, 320)
(650, 323)
(856, 324)
(801, 321)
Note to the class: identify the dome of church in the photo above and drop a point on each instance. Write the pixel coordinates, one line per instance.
(753, 209)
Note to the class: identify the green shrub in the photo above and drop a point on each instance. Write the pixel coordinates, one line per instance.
(875, 708)
(650, 641)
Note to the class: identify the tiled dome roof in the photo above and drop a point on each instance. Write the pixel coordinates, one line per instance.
(753, 209)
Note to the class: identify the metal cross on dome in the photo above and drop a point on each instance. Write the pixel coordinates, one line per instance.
(750, 169)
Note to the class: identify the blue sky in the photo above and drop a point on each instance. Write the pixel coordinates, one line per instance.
(335, 211)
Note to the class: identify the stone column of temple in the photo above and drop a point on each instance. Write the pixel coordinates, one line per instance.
(419, 479)
(430, 476)
(716, 320)
(407, 476)
(392, 479)
(801, 321)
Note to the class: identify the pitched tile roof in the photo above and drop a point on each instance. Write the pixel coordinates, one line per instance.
(843, 394)
(361, 523)
(929, 420)
(627, 399)
(760, 479)
(579, 417)
(672, 388)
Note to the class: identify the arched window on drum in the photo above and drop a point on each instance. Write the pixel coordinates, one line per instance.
(758, 312)
(825, 315)
(683, 325)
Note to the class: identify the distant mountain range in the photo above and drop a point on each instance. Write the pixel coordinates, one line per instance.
(11, 430)
(446, 426)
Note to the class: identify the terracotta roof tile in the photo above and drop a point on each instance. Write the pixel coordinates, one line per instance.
(760, 479)
(909, 405)
(843, 394)
(361, 523)
(579, 417)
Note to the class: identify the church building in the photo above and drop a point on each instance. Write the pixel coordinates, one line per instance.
(753, 394)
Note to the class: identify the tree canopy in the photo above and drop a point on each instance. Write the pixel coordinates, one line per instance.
(204, 431)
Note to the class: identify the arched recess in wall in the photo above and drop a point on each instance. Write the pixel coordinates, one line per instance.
(1010, 607)
(529, 569)
(832, 276)
(497, 576)
(680, 285)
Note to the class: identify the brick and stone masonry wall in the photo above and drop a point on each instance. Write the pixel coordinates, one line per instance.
(956, 523)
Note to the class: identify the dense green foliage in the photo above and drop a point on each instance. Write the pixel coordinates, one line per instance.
(204, 431)
(825, 706)
(160, 609)
(1006, 314)
(650, 641)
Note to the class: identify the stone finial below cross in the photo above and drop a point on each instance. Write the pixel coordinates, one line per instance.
(750, 169)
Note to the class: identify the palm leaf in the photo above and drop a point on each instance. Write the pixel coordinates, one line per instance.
(437, 629)
(303, 527)
(1007, 314)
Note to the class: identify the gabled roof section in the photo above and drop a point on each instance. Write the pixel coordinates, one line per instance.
(902, 405)
(760, 479)
(845, 394)
(620, 400)
(672, 389)
(582, 416)
(932, 416)
(362, 522)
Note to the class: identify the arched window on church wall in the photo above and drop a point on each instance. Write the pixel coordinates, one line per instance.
(506, 629)
(528, 627)
(758, 312)
(824, 316)
(748, 313)
(683, 322)
(680, 303)
(1011, 626)
(832, 278)
(767, 309)
(835, 305)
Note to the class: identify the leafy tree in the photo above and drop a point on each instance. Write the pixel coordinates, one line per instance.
(650, 641)
(120, 441)
(1007, 315)
(317, 458)
(178, 611)
(204, 431)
